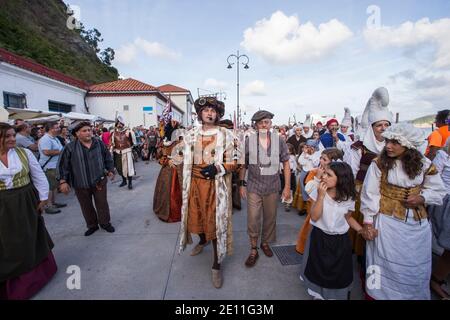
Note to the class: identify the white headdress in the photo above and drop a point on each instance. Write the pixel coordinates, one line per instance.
(347, 121)
(307, 122)
(376, 110)
(406, 134)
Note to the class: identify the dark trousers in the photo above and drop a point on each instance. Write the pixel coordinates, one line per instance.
(94, 217)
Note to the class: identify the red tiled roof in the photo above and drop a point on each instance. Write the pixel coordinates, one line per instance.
(30, 65)
(127, 85)
(171, 88)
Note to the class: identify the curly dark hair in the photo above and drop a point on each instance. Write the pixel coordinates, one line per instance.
(411, 160)
(345, 185)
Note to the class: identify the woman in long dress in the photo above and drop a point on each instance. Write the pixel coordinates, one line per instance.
(395, 191)
(26, 260)
(167, 198)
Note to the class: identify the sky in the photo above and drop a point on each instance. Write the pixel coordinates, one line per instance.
(305, 57)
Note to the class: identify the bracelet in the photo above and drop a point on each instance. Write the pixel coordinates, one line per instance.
(61, 183)
(242, 183)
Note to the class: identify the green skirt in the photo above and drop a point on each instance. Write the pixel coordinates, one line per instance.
(24, 240)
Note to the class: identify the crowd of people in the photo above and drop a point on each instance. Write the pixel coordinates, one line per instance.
(371, 188)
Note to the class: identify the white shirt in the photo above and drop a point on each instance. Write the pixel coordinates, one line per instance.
(15, 166)
(433, 189)
(442, 163)
(309, 161)
(333, 217)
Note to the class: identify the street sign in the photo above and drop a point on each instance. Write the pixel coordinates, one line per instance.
(147, 109)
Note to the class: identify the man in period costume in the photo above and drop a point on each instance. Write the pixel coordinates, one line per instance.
(264, 152)
(207, 166)
(122, 141)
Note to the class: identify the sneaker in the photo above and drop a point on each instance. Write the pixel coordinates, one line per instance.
(52, 210)
(60, 205)
(108, 228)
(90, 231)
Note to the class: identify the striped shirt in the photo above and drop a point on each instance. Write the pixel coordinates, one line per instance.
(84, 167)
(263, 176)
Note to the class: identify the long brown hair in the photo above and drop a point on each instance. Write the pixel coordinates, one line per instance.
(411, 160)
(4, 127)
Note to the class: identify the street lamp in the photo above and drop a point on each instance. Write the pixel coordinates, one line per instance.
(237, 58)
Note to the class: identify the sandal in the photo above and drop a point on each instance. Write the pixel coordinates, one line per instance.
(266, 249)
(251, 260)
(443, 294)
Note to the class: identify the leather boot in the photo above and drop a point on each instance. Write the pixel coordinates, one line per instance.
(130, 183)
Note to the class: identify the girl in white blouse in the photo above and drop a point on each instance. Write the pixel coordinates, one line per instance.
(328, 268)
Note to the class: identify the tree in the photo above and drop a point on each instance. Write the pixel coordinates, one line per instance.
(92, 38)
(107, 56)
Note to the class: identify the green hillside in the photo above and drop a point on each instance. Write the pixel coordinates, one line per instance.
(37, 30)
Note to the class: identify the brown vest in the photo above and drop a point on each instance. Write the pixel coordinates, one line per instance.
(366, 159)
(122, 140)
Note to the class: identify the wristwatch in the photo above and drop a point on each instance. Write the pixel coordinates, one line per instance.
(242, 183)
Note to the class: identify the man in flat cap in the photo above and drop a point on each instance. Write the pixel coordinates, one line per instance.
(84, 165)
(122, 141)
(265, 150)
(207, 166)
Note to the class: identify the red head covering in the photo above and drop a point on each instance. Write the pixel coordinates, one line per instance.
(331, 121)
(319, 123)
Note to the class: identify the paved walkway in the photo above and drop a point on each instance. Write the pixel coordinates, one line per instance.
(140, 260)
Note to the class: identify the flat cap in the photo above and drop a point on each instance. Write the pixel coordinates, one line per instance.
(262, 114)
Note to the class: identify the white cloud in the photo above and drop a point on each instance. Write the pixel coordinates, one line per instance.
(212, 83)
(128, 52)
(156, 49)
(411, 35)
(255, 88)
(283, 40)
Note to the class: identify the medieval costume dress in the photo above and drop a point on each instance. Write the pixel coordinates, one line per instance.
(167, 197)
(207, 204)
(26, 260)
(122, 141)
(399, 259)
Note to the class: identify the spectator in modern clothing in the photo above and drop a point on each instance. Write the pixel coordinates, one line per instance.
(296, 139)
(64, 136)
(106, 136)
(25, 140)
(50, 149)
(85, 163)
(437, 139)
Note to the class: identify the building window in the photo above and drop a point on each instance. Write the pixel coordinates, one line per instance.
(59, 107)
(13, 100)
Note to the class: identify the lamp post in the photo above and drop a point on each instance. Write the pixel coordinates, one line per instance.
(237, 58)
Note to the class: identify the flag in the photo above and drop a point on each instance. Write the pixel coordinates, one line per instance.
(167, 112)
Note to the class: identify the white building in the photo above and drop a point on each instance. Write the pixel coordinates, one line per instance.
(182, 98)
(27, 84)
(139, 103)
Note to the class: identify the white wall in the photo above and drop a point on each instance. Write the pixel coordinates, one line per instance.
(106, 107)
(39, 89)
